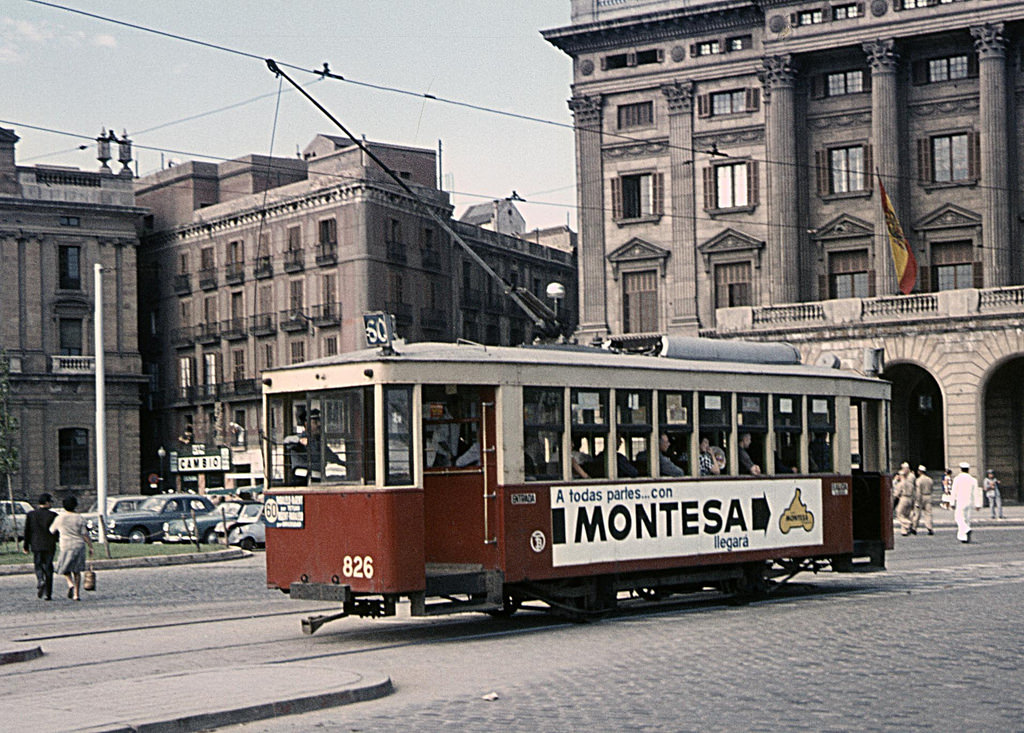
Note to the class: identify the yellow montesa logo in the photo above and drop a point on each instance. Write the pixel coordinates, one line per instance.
(796, 515)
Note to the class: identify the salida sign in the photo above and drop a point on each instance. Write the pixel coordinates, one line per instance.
(618, 523)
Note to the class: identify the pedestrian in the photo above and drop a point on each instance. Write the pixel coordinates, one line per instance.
(947, 489)
(74, 539)
(923, 507)
(42, 544)
(995, 499)
(905, 494)
(964, 488)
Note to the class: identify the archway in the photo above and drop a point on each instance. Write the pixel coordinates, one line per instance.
(1004, 427)
(917, 417)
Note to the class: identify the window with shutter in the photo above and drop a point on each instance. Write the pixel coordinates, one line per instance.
(640, 301)
(848, 274)
(732, 285)
(952, 265)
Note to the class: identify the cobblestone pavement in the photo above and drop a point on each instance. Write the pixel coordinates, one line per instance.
(924, 648)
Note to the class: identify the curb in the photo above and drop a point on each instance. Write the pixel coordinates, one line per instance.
(149, 561)
(21, 655)
(260, 711)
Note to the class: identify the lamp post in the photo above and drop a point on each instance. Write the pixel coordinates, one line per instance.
(161, 454)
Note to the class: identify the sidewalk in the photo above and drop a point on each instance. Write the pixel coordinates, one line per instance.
(149, 561)
(980, 518)
(183, 701)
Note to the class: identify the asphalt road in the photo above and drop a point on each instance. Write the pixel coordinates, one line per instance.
(930, 644)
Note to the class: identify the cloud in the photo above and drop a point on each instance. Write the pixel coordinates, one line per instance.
(26, 30)
(104, 40)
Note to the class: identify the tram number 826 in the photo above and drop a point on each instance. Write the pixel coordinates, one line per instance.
(355, 566)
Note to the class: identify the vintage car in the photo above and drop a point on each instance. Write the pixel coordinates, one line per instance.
(16, 514)
(146, 524)
(203, 527)
(249, 536)
(115, 505)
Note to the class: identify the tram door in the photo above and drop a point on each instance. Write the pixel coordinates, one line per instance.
(459, 475)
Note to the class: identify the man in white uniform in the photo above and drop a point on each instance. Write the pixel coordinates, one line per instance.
(964, 487)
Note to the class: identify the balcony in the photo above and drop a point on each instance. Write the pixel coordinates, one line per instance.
(262, 324)
(183, 283)
(186, 395)
(208, 278)
(326, 314)
(234, 273)
(432, 319)
(293, 320)
(401, 311)
(327, 253)
(207, 392)
(396, 251)
(233, 329)
(294, 260)
(183, 337)
(888, 310)
(62, 364)
(245, 387)
(208, 333)
(264, 268)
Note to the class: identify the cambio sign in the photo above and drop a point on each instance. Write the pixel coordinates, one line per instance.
(616, 523)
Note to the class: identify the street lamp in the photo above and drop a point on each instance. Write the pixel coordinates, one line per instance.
(556, 291)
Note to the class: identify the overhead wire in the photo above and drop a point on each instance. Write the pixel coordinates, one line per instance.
(326, 73)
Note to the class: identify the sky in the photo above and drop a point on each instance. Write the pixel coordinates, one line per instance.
(75, 75)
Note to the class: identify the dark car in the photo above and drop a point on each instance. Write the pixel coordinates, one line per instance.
(203, 526)
(147, 523)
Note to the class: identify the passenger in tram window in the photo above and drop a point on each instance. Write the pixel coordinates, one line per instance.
(747, 464)
(665, 465)
(710, 465)
(820, 453)
(309, 453)
(580, 459)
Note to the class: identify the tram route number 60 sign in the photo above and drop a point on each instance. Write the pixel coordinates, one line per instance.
(379, 329)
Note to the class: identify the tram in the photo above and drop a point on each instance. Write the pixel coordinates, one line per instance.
(477, 478)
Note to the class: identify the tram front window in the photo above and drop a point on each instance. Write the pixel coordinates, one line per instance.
(322, 437)
(451, 426)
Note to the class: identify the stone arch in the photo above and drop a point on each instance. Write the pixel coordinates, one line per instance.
(917, 417)
(1003, 425)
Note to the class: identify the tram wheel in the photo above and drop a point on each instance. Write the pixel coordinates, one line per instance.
(509, 607)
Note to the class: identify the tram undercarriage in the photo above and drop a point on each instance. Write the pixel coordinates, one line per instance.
(467, 588)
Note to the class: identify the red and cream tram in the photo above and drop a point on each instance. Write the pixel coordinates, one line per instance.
(473, 478)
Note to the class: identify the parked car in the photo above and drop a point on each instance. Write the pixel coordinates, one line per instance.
(250, 513)
(146, 524)
(7, 532)
(115, 505)
(249, 536)
(16, 514)
(203, 526)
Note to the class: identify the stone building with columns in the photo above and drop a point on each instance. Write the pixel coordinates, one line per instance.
(56, 224)
(726, 163)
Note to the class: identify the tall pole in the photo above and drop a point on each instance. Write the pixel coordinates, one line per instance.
(101, 423)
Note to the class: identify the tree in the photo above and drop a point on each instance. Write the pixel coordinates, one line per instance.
(8, 427)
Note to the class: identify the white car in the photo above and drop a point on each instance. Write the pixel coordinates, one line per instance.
(250, 513)
(249, 536)
(21, 508)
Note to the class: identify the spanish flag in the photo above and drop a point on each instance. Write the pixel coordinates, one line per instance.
(902, 256)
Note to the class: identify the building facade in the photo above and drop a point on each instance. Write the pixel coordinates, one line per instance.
(259, 262)
(726, 159)
(56, 223)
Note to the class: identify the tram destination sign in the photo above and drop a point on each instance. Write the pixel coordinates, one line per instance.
(615, 523)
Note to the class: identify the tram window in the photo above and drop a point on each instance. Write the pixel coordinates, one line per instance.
(398, 435)
(451, 426)
(715, 420)
(328, 437)
(633, 422)
(674, 410)
(752, 421)
(822, 425)
(589, 435)
(543, 428)
(787, 422)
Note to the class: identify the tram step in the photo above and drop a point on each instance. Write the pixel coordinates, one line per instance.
(447, 607)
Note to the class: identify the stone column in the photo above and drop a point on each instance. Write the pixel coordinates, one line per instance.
(996, 225)
(783, 241)
(593, 319)
(682, 272)
(885, 137)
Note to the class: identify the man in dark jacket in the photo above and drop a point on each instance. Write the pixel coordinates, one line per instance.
(42, 543)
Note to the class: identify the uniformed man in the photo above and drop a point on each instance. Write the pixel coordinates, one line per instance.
(905, 494)
(923, 504)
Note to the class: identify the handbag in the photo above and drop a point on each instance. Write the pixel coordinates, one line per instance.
(89, 579)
